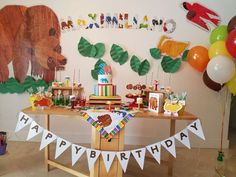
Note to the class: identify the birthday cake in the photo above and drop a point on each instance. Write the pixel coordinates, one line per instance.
(104, 87)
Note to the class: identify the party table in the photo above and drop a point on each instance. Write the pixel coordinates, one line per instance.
(100, 143)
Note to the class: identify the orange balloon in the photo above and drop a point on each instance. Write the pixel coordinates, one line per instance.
(198, 58)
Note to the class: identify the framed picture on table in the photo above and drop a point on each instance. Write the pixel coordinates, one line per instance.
(155, 102)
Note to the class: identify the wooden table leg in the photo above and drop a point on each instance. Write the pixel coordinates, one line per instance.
(47, 148)
(171, 158)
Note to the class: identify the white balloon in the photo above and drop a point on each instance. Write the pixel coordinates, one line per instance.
(220, 69)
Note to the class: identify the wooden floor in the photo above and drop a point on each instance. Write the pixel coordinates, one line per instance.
(25, 160)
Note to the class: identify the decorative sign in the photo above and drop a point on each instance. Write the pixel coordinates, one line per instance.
(118, 21)
(201, 16)
(108, 156)
(107, 123)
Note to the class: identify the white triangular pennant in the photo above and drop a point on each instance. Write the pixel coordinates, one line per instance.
(196, 128)
(123, 158)
(92, 156)
(76, 151)
(169, 145)
(23, 120)
(155, 150)
(61, 146)
(183, 138)
(139, 155)
(108, 158)
(34, 130)
(47, 138)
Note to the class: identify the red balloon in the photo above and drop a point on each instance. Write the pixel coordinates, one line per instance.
(231, 43)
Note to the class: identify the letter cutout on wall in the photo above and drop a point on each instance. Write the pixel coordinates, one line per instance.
(139, 155)
(23, 121)
(108, 158)
(76, 152)
(92, 156)
(34, 130)
(47, 138)
(61, 146)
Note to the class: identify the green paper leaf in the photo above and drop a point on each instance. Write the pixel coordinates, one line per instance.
(184, 56)
(93, 51)
(135, 63)
(96, 66)
(115, 52)
(144, 68)
(169, 65)
(94, 74)
(118, 54)
(155, 53)
(100, 50)
(123, 58)
(85, 47)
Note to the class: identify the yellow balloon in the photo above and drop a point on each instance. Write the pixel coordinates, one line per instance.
(218, 48)
(232, 84)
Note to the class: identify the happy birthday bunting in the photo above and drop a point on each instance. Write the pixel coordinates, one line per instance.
(183, 138)
(47, 138)
(77, 151)
(34, 130)
(108, 158)
(61, 146)
(23, 121)
(155, 151)
(196, 128)
(92, 156)
(123, 158)
(169, 145)
(139, 155)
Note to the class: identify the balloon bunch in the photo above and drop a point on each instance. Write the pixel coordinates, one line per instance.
(217, 62)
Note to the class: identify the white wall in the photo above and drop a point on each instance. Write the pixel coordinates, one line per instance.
(201, 101)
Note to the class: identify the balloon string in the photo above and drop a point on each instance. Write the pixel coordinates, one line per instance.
(223, 120)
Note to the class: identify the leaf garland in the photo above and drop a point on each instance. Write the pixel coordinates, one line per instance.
(118, 54)
(86, 49)
(185, 55)
(94, 72)
(13, 86)
(141, 68)
(155, 53)
(169, 65)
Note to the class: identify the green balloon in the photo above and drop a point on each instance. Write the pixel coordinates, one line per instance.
(220, 33)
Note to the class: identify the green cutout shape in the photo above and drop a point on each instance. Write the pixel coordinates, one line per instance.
(144, 68)
(86, 49)
(123, 58)
(141, 68)
(155, 53)
(135, 63)
(169, 65)
(94, 72)
(100, 50)
(118, 54)
(13, 86)
(185, 55)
